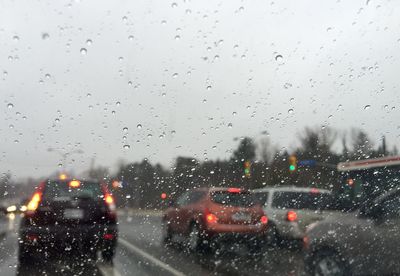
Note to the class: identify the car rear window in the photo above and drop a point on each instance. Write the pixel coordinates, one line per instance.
(243, 199)
(261, 198)
(302, 200)
(58, 190)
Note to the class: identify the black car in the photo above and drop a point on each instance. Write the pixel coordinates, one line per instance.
(68, 217)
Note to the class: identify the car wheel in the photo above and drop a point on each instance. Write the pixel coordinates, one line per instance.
(166, 234)
(24, 257)
(194, 240)
(273, 238)
(108, 256)
(328, 263)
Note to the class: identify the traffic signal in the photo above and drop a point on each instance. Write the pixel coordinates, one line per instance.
(292, 163)
(247, 166)
(163, 195)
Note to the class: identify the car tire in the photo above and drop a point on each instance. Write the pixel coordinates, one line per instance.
(195, 240)
(328, 263)
(273, 238)
(166, 234)
(108, 256)
(24, 257)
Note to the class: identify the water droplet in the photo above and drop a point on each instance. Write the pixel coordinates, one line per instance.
(177, 37)
(209, 87)
(129, 83)
(89, 42)
(10, 105)
(15, 38)
(139, 126)
(88, 95)
(188, 11)
(367, 107)
(16, 141)
(126, 146)
(287, 85)
(279, 58)
(149, 135)
(125, 129)
(174, 5)
(124, 18)
(163, 22)
(204, 100)
(11, 126)
(47, 76)
(118, 103)
(175, 75)
(83, 51)
(45, 36)
(121, 58)
(230, 125)
(130, 37)
(290, 111)
(164, 94)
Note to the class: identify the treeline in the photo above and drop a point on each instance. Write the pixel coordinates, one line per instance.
(142, 183)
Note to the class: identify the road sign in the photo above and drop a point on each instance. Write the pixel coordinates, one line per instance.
(307, 163)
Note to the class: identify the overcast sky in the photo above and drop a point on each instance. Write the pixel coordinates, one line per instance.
(193, 75)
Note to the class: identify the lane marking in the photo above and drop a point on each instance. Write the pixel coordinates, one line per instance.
(108, 270)
(150, 258)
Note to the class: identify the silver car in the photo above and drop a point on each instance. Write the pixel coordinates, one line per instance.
(363, 242)
(291, 209)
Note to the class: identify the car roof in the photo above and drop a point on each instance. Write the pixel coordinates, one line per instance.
(290, 189)
(217, 189)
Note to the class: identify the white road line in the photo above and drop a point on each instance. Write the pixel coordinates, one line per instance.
(108, 270)
(150, 258)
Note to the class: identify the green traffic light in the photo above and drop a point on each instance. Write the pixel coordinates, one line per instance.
(246, 171)
(292, 168)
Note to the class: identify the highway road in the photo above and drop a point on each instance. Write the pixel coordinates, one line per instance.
(140, 252)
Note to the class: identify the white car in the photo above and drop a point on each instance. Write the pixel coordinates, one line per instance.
(291, 209)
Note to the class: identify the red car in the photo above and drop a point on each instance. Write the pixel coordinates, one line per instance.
(210, 217)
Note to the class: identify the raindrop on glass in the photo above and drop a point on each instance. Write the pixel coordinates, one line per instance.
(83, 51)
(45, 36)
(139, 126)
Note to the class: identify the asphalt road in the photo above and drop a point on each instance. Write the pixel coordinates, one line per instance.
(140, 252)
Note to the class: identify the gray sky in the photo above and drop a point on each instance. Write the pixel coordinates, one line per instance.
(186, 71)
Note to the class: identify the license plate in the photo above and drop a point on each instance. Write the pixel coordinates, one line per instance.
(241, 216)
(73, 213)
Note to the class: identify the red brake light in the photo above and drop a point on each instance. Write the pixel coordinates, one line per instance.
(109, 199)
(234, 190)
(314, 191)
(108, 236)
(264, 220)
(211, 218)
(291, 216)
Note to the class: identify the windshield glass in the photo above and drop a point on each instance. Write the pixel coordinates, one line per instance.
(301, 200)
(233, 199)
(165, 101)
(55, 190)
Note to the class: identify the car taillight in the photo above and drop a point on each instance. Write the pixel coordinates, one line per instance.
(108, 236)
(109, 201)
(34, 202)
(211, 218)
(291, 216)
(264, 219)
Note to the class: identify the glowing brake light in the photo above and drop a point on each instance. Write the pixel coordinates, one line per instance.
(109, 199)
(34, 203)
(264, 220)
(314, 191)
(74, 184)
(211, 218)
(291, 216)
(234, 190)
(62, 176)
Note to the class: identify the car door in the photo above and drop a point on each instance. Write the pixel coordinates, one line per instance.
(176, 212)
(387, 234)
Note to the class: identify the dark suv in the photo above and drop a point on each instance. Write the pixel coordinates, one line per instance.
(66, 217)
(364, 242)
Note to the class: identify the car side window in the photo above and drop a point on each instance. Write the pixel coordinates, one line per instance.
(390, 207)
(183, 199)
(262, 198)
(195, 197)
